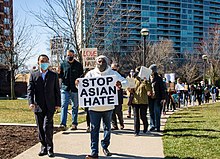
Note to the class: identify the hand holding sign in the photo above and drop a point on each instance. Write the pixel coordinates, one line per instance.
(118, 84)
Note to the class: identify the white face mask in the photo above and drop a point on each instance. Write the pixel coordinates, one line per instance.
(132, 74)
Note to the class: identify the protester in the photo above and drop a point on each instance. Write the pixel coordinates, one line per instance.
(199, 93)
(185, 94)
(179, 90)
(103, 113)
(130, 95)
(118, 108)
(70, 70)
(193, 94)
(213, 93)
(166, 103)
(174, 100)
(87, 109)
(44, 99)
(156, 99)
(217, 93)
(140, 103)
(207, 94)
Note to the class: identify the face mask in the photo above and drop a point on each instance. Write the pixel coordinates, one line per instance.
(132, 74)
(44, 66)
(69, 58)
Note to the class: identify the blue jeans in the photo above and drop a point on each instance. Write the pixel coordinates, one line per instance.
(95, 119)
(66, 96)
(155, 113)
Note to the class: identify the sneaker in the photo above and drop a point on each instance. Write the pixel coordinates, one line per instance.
(74, 127)
(91, 157)
(107, 152)
(88, 129)
(62, 127)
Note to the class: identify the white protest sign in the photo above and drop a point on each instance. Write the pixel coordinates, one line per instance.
(97, 91)
(144, 73)
(131, 82)
(167, 76)
(89, 55)
(170, 77)
(180, 87)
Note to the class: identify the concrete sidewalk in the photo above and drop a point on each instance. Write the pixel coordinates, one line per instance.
(124, 145)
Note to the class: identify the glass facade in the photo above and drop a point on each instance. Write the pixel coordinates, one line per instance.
(185, 22)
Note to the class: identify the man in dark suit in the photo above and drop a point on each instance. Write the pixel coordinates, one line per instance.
(44, 99)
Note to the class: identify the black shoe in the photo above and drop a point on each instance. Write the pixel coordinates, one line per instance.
(50, 154)
(145, 131)
(152, 129)
(136, 134)
(106, 152)
(42, 153)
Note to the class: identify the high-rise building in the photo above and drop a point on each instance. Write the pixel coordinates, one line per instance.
(185, 22)
(6, 28)
(6, 43)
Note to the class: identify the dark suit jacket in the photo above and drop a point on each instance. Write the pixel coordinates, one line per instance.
(45, 93)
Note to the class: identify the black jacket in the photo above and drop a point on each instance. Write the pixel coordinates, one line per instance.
(158, 87)
(69, 72)
(45, 93)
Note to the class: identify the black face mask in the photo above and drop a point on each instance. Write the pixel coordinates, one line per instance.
(102, 66)
(69, 58)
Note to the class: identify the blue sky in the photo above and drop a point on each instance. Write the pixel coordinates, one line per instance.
(21, 11)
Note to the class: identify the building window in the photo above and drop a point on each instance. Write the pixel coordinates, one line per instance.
(6, 32)
(7, 43)
(6, 21)
(6, 10)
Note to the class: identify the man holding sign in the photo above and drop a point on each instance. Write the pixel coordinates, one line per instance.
(98, 92)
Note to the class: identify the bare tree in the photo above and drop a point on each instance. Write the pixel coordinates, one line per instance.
(190, 68)
(159, 53)
(17, 48)
(210, 46)
(78, 23)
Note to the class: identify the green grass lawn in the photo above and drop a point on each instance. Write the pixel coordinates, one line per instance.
(17, 111)
(193, 133)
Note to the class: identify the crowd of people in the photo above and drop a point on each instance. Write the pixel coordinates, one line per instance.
(184, 94)
(154, 95)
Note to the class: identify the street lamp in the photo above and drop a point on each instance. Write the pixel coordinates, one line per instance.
(144, 33)
(205, 58)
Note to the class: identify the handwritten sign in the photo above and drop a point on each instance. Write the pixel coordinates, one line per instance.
(89, 55)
